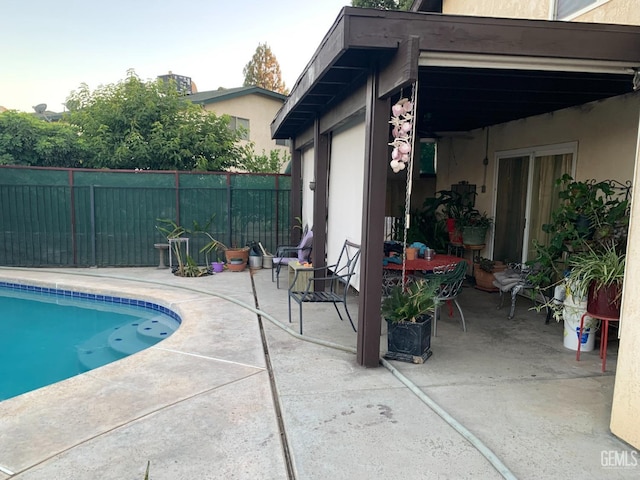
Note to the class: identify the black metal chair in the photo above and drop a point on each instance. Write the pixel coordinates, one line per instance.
(450, 278)
(337, 278)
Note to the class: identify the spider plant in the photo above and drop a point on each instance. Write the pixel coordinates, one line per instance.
(603, 268)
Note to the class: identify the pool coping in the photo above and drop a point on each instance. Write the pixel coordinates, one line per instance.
(49, 427)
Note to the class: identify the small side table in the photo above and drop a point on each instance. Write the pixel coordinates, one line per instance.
(475, 255)
(604, 335)
(475, 251)
(179, 240)
(305, 273)
(456, 249)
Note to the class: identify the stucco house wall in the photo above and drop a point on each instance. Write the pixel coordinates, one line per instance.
(611, 11)
(605, 132)
(498, 8)
(259, 110)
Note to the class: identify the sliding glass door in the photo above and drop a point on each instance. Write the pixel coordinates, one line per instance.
(526, 194)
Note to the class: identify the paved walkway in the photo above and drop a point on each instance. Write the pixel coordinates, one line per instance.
(201, 405)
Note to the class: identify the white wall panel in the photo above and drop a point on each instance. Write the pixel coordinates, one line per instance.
(307, 194)
(346, 176)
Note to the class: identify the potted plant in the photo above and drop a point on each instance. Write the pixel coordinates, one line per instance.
(212, 246)
(597, 274)
(474, 227)
(187, 266)
(483, 271)
(590, 221)
(455, 207)
(408, 311)
(237, 258)
(173, 231)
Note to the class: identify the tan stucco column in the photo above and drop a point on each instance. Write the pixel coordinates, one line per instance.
(626, 395)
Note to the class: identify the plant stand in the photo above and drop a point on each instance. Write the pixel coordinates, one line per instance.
(179, 241)
(604, 335)
(161, 247)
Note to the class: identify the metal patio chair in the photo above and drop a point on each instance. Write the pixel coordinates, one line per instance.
(337, 278)
(450, 277)
(516, 279)
(291, 253)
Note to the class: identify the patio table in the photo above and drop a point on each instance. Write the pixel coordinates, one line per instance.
(422, 264)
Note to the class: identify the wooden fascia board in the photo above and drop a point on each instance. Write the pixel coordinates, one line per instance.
(358, 28)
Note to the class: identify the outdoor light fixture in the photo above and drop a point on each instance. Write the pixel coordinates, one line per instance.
(312, 185)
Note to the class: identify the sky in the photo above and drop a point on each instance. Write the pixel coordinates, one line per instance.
(49, 48)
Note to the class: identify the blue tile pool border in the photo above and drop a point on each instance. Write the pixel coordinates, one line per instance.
(97, 297)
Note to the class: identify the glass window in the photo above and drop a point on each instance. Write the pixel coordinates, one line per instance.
(567, 8)
(242, 124)
(282, 142)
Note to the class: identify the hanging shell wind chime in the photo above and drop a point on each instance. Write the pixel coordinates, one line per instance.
(402, 132)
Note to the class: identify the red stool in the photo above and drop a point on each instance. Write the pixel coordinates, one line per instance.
(604, 335)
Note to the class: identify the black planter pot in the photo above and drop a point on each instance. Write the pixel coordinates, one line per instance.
(409, 341)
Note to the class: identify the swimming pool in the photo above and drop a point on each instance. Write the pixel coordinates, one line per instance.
(50, 334)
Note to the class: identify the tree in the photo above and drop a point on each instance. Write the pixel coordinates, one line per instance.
(27, 140)
(263, 71)
(383, 4)
(150, 125)
(265, 163)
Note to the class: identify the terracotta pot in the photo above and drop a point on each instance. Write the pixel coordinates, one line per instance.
(499, 266)
(233, 255)
(484, 280)
(411, 253)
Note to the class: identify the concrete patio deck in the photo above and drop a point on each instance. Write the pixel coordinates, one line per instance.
(201, 405)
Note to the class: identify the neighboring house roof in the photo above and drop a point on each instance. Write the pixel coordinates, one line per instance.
(214, 96)
(472, 71)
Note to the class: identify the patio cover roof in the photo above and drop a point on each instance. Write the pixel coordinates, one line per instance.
(473, 71)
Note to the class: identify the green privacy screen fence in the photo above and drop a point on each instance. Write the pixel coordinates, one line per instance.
(74, 217)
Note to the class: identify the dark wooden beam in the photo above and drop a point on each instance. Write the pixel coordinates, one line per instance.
(375, 178)
(493, 36)
(402, 69)
(296, 194)
(321, 170)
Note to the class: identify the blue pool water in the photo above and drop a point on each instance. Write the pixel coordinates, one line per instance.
(48, 335)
